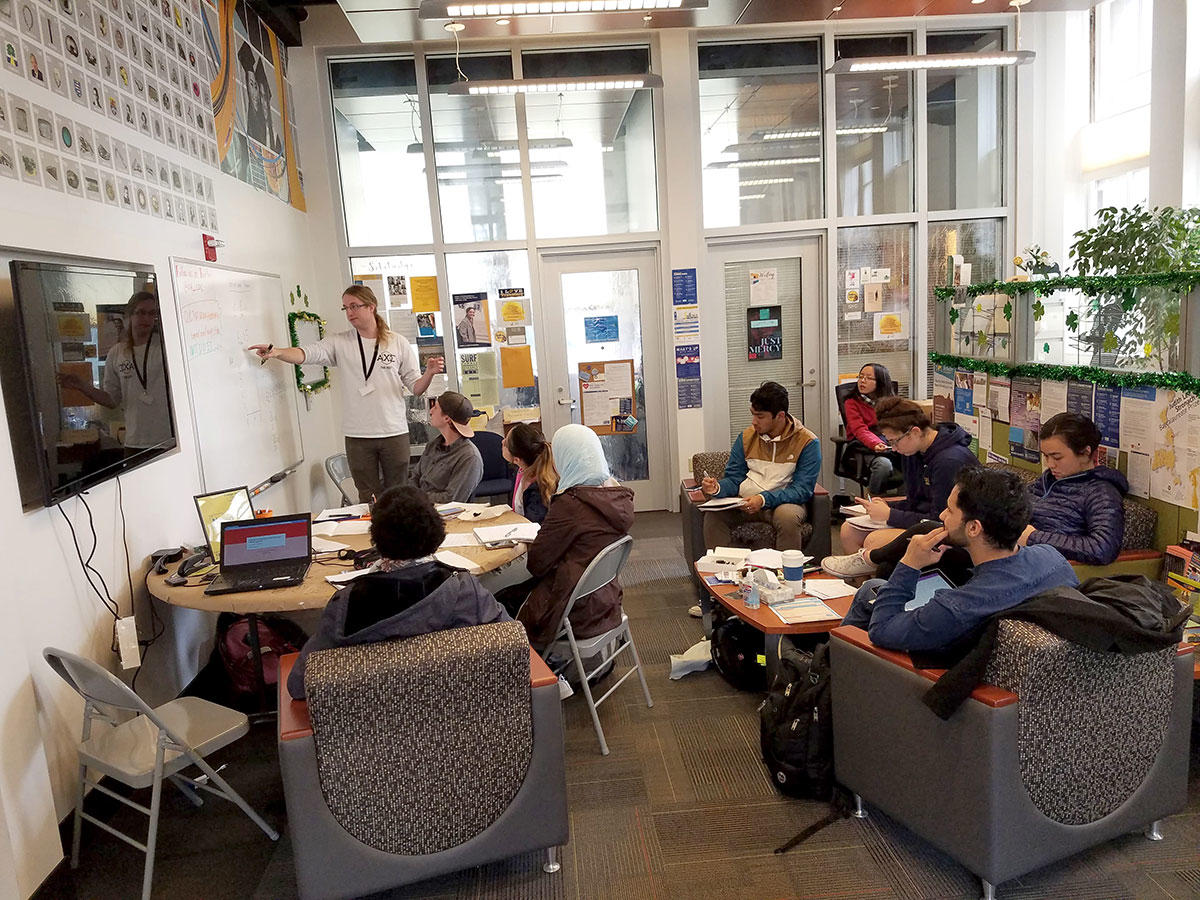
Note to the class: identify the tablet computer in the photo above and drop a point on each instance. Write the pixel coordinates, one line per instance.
(927, 584)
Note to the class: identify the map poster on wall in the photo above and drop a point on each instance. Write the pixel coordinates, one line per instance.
(764, 332)
(607, 403)
(252, 101)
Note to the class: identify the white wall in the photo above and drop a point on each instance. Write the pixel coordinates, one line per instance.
(46, 600)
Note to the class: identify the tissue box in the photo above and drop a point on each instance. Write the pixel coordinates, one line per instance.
(776, 596)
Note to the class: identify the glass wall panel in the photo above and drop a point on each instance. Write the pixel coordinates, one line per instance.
(475, 148)
(965, 114)
(596, 147)
(481, 376)
(874, 315)
(395, 305)
(874, 131)
(760, 132)
(378, 132)
(979, 242)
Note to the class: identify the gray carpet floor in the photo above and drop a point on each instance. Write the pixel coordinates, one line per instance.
(681, 808)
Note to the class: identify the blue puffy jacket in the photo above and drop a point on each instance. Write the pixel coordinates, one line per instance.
(1081, 515)
(929, 476)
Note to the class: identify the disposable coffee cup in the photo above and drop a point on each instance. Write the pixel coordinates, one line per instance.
(793, 565)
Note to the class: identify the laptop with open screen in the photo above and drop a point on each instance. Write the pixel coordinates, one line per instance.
(230, 505)
(260, 554)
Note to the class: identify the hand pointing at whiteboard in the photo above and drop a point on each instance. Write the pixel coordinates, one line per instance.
(293, 355)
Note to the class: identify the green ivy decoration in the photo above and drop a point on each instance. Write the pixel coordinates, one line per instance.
(1175, 381)
(298, 293)
(1089, 285)
(308, 387)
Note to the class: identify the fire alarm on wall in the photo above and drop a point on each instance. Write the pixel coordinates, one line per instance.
(210, 247)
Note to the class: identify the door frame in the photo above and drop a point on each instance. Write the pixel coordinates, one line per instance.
(552, 262)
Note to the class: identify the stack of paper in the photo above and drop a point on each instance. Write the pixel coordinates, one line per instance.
(460, 539)
(345, 577)
(804, 609)
(342, 526)
(321, 545)
(866, 523)
(454, 561)
(828, 588)
(499, 534)
(342, 512)
(723, 503)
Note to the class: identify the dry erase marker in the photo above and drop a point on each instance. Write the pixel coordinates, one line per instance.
(263, 361)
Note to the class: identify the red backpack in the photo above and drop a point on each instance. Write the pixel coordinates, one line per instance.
(276, 636)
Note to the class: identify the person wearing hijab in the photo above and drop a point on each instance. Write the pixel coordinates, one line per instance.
(588, 511)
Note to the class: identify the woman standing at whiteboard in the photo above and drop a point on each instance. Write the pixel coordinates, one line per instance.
(377, 365)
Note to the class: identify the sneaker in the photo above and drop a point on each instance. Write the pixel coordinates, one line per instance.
(564, 689)
(850, 566)
(695, 612)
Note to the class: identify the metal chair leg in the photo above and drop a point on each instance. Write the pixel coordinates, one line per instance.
(989, 890)
(859, 812)
(152, 834)
(1153, 832)
(234, 796)
(587, 693)
(78, 826)
(186, 788)
(551, 865)
(637, 661)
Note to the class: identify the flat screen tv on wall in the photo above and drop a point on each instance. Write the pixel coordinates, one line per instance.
(84, 372)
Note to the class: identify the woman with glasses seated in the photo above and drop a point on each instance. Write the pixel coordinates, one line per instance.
(378, 365)
(932, 456)
(874, 384)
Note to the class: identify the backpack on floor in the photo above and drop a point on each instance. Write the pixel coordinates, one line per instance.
(276, 636)
(738, 652)
(796, 727)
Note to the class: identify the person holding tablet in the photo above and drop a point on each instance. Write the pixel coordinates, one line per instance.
(378, 365)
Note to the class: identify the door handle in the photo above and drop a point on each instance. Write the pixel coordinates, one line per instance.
(566, 401)
(812, 382)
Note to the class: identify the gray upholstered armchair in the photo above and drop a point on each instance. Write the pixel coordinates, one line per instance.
(422, 756)
(1064, 747)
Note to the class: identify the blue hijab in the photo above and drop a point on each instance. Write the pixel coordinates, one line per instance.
(578, 457)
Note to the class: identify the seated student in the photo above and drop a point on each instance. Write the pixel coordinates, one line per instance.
(1077, 505)
(410, 594)
(537, 480)
(932, 458)
(986, 513)
(451, 467)
(588, 512)
(773, 465)
(874, 384)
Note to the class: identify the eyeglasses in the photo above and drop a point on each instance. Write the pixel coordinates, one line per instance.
(354, 307)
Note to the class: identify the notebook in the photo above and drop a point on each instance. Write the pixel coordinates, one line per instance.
(260, 554)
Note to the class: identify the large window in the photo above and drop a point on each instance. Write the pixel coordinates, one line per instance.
(378, 129)
(475, 146)
(874, 131)
(874, 309)
(760, 132)
(965, 113)
(595, 147)
(1121, 54)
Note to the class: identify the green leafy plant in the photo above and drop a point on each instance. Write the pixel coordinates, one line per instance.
(1136, 323)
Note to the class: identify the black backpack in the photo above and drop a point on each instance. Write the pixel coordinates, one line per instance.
(738, 652)
(796, 726)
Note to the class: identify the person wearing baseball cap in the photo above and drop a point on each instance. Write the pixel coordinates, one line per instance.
(450, 468)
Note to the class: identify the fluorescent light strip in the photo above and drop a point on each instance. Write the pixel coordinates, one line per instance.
(457, 181)
(802, 135)
(760, 163)
(931, 61)
(556, 85)
(752, 196)
(492, 146)
(440, 9)
(756, 182)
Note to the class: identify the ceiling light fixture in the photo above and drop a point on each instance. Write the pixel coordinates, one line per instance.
(452, 9)
(760, 163)
(930, 61)
(751, 196)
(557, 85)
(757, 182)
(790, 134)
(492, 146)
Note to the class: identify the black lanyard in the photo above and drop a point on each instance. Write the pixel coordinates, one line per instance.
(144, 374)
(363, 356)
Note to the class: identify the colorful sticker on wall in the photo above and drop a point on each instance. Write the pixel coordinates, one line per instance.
(891, 326)
(600, 329)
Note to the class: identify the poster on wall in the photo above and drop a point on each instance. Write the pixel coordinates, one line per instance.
(606, 396)
(472, 326)
(687, 375)
(251, 100)
(964, 393)
(683, 287)
(1025, 411)
(514, 307)
(600, 329)
(424, 293)
(943, 394)
(764, 286)
(1108, 414)
(478, 378)
(764, 332)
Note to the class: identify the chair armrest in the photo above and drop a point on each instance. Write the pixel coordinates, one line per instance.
(1132, 555)
(294, 722)
(987, 694)
(691, 489)
(539, 673)
(819, 491)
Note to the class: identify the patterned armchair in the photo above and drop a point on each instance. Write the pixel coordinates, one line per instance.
(417, 757)
(1064, 747)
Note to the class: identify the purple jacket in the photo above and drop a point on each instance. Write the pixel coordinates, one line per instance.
(1081, 515)
(929, 476)
(384, 606)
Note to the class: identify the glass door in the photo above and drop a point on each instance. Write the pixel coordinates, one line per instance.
(603, 354)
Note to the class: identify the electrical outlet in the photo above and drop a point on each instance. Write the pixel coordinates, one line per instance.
(127, 643)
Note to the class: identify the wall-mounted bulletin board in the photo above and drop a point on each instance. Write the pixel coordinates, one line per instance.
(607, 401)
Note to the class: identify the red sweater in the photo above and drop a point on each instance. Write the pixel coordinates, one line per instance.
(860, 418)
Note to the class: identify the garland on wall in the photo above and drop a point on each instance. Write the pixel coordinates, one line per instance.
(1090, 285)
(1176, 381)
(308, 387)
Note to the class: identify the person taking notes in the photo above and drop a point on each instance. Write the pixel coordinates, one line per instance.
(377, 366)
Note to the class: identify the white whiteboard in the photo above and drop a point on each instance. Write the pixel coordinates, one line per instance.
(245, 415)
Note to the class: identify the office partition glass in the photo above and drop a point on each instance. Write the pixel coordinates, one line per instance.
(874, 301)
(760, 132)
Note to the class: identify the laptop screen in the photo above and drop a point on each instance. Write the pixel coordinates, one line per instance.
(222, 506)
(265, 541)
(927, 584)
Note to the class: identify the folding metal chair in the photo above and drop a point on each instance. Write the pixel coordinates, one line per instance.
(337, 467)
(157, 743)
(600, 571)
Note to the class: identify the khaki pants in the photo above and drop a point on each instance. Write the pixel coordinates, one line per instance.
(786, 519)
(377, 464)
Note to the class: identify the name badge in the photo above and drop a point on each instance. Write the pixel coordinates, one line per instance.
(366, 389)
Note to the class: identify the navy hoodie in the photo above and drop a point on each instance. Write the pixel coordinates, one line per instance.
(1082, 515)
(929, 476)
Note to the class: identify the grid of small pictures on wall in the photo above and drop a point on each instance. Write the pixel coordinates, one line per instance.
(140, 66)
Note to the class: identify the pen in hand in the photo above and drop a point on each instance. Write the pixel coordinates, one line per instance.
(263, 361)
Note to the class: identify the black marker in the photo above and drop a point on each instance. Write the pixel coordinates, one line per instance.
(263, 361)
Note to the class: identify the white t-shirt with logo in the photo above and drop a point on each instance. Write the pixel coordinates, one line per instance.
(147, 412)
(374, 407)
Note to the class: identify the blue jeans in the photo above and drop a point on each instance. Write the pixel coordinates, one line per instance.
(864, 602)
